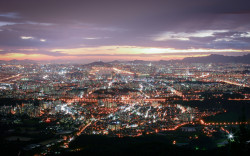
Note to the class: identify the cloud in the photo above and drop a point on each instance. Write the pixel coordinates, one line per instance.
(223, 40)
(26, 37)
(2, 23)
(136, 50)
(43, 40)
(91, 38)
(236, 37)
(245, 34)
(30, 51)
(37, 23)
(95, 38)
(186, 36)
(12, 15)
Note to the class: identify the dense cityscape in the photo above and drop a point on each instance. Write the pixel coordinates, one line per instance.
(61, 102)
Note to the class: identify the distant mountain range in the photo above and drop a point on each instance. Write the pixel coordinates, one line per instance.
(98, 63)
(213, 58)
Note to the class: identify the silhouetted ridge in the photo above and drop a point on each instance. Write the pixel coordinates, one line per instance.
(215, 58)
(99, 63)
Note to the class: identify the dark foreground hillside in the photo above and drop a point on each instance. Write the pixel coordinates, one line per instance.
(147, 145)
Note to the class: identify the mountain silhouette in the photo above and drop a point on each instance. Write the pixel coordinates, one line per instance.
(215, 58)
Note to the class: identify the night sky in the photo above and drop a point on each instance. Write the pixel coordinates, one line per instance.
(89, 30)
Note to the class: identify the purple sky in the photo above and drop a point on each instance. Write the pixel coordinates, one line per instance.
(122, 29)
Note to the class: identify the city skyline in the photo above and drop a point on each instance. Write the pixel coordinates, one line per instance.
(122, 30)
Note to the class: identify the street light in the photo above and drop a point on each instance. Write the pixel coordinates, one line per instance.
(231, 137)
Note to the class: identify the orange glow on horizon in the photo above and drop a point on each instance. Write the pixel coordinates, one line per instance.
(109, 53)
(40, 57)
(136, 50)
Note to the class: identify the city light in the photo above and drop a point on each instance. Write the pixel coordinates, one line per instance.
(120, 100)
